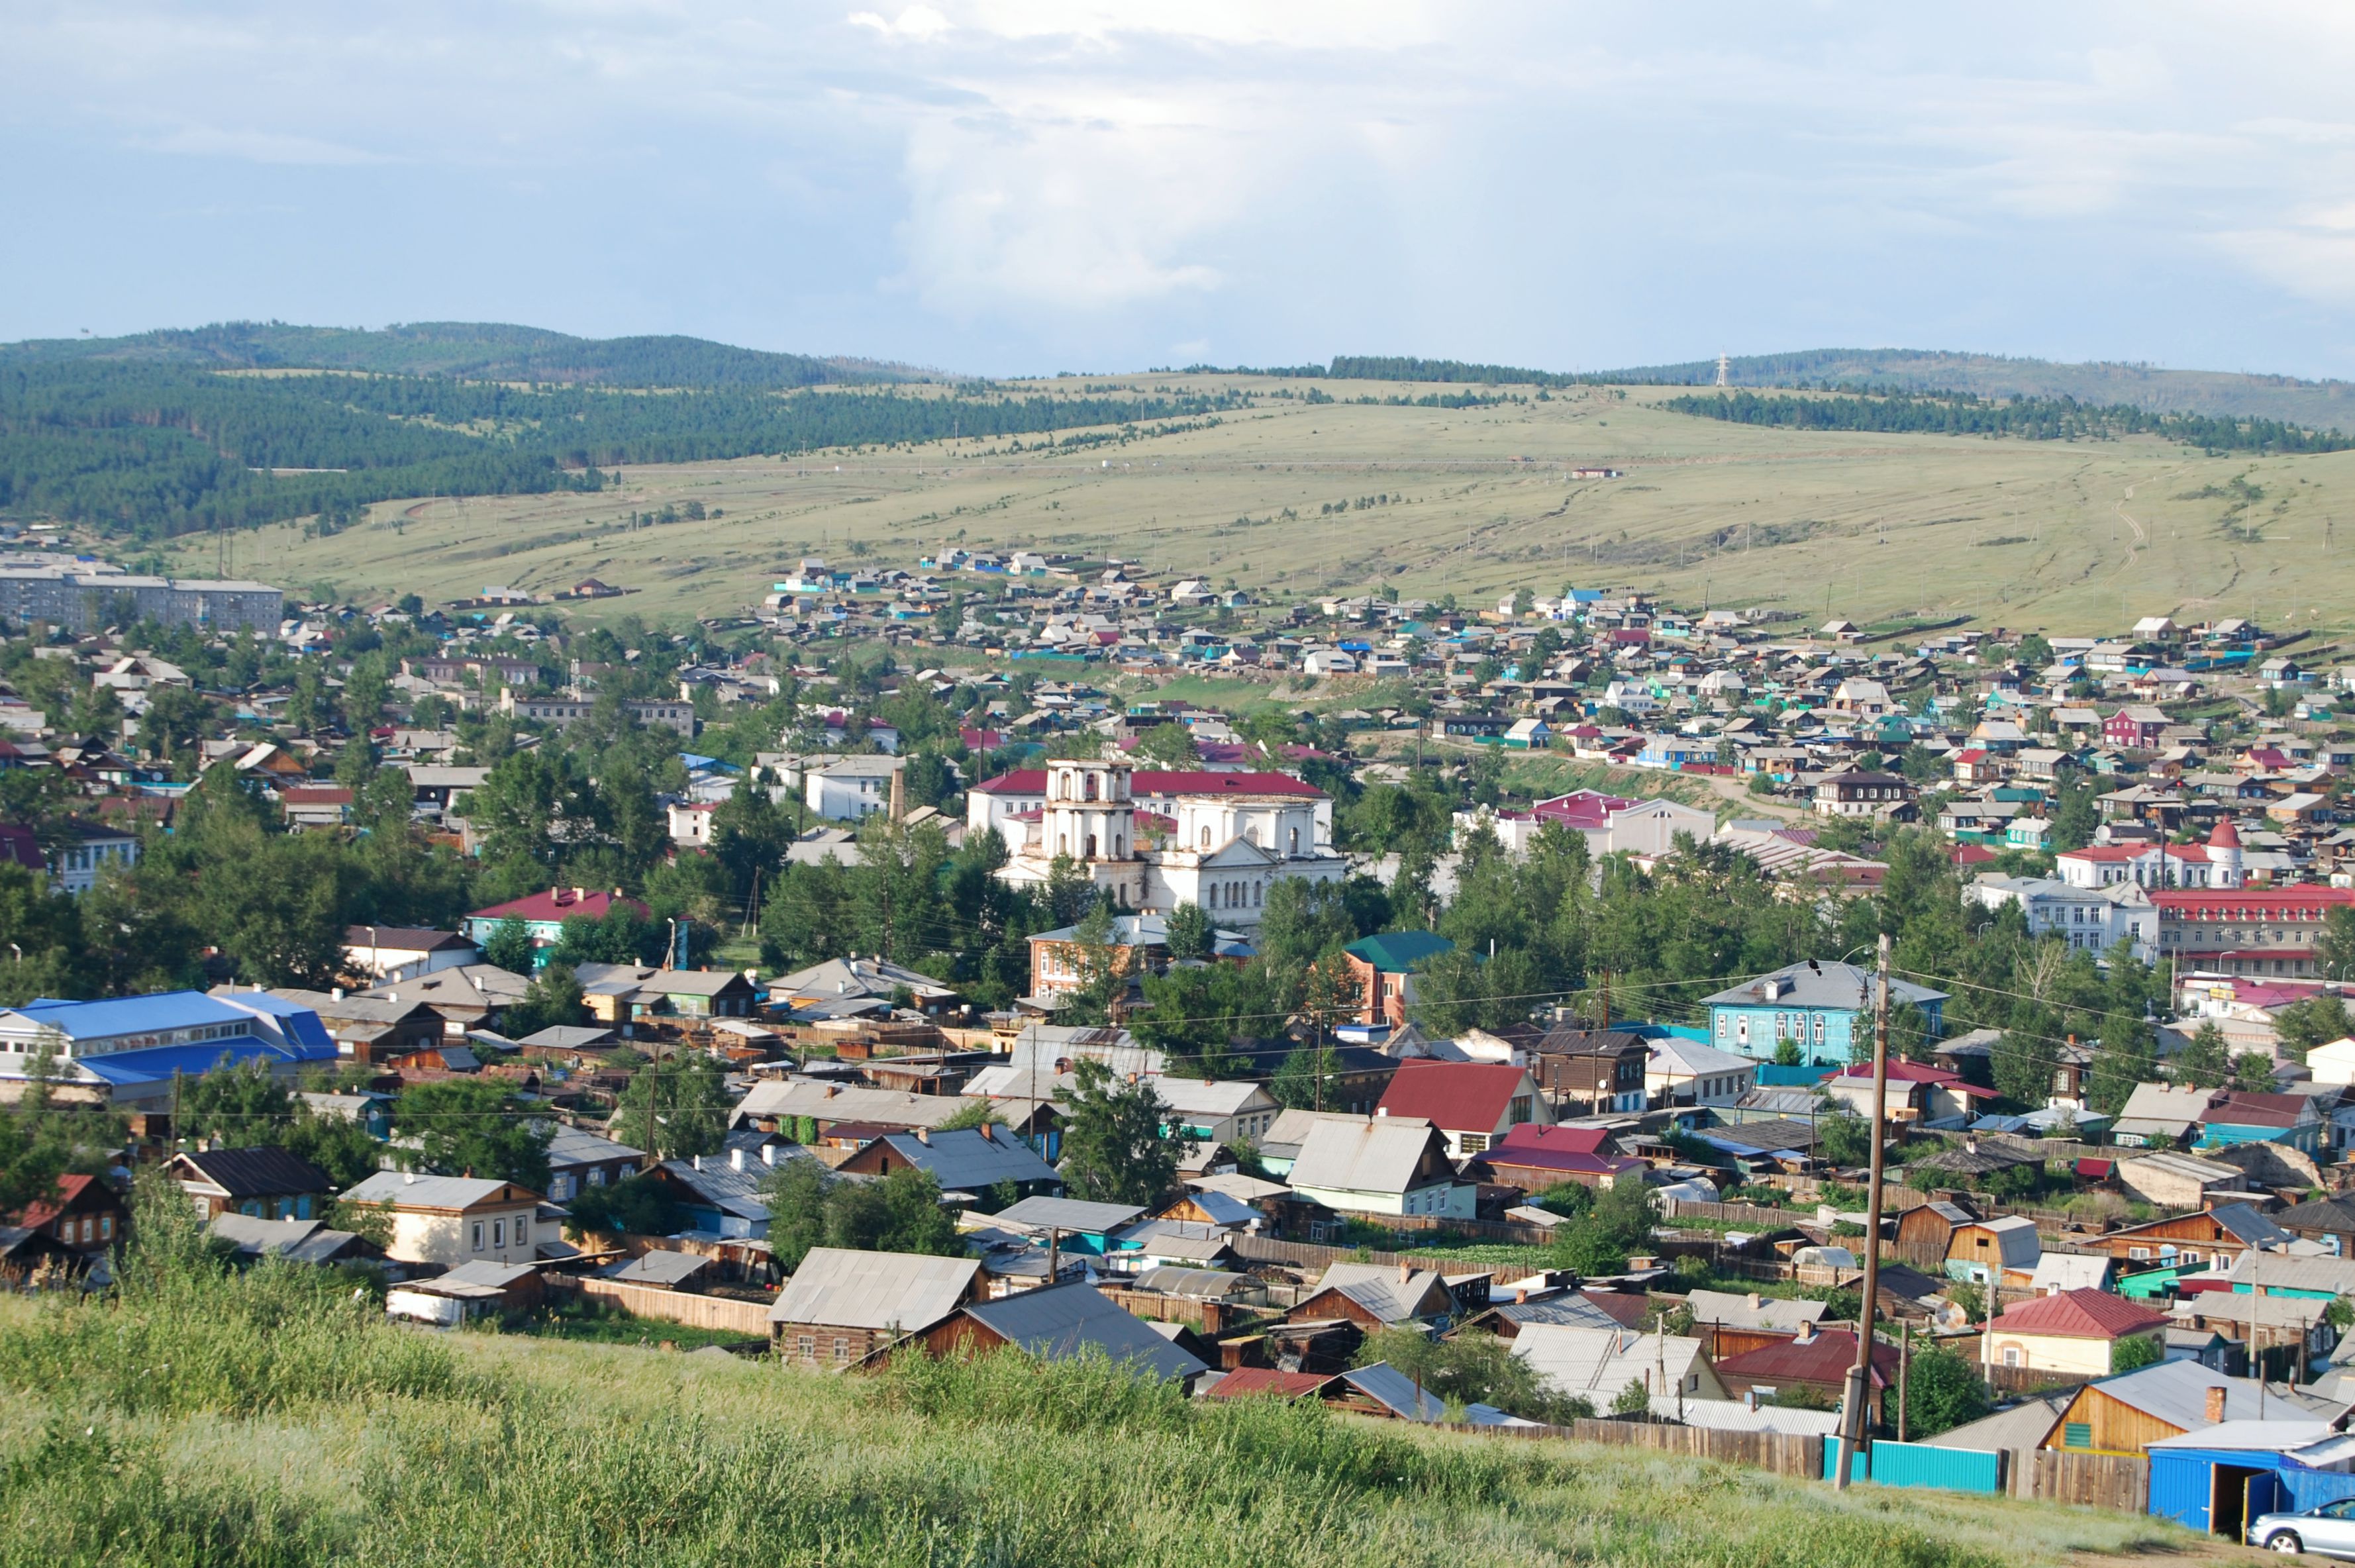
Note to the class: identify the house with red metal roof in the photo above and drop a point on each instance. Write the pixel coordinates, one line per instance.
(1815, 1362)
(1916, 1092)
(2073, 1332)
(1473, 1104)
(544, 914)
(1533, 1156)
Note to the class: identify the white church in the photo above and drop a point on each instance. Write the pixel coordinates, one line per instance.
(1217, 839)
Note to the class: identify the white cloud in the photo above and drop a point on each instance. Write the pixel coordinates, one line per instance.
(917, 22)
(257, 147)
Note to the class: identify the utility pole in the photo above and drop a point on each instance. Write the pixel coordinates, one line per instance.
(1860, 1376)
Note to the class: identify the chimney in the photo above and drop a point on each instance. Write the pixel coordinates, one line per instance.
(829, 1093)
(2215, 1406)
(1750, 1399)
(768, 1154)
(392, 997)
(698, 1161)
(923, 1135)
(1753, 1301)
(735, 1159)
(336, 993)
(1521, 1296)
(1405, 1273)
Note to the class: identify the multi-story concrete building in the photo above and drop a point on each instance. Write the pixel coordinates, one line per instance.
(85, 596)
(2095, 918)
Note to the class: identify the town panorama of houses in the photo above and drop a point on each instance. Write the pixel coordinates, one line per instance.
(2174, 793)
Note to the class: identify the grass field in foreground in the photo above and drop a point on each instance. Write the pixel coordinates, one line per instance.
(270, 1419)
(1870, 526)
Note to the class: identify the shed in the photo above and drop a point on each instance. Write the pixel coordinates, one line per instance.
(2217, 1480)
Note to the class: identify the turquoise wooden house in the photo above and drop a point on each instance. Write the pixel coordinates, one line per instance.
(1821, 1008)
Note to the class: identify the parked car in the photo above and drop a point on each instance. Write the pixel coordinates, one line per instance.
(2328, 1531)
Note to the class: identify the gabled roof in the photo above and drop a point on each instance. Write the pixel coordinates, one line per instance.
(2176, 1394)
(1382, 1154)
(558, 905)
(1824, 1359)
(2078, 1315)
(970, 1160)
(1458, 1096)
(1377, 1288)
(1058, 1321)
(256, 1172)
(849, 1289)
(1403, 1398)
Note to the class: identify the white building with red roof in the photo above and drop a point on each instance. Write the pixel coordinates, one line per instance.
(2216, 864)
(1157, 840)
(2073, 1331)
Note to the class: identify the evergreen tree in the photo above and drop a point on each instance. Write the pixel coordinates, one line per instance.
(2207, 1061)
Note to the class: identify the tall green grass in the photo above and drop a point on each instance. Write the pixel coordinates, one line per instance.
(267, 1418)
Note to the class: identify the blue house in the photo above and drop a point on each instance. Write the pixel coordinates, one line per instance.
(2237, 1118)
(1820, 1007)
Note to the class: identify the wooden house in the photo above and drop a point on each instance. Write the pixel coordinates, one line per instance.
(842, 1307)
(2127, 1414)
(1373, 1296)
(262, 1183)
(2214, 1236)
(1925, 1233)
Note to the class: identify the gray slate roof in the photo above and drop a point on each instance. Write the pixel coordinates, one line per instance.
(1378, 1155)
(1057, 1322)
(969, 1160)
(2176, 1394)
(847, 1289)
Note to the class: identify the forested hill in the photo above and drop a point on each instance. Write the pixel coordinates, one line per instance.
(481, 350)
(2319, 405)
(2030, 419)
(149, 448)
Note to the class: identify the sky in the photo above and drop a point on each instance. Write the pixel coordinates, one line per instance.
(1010, 186)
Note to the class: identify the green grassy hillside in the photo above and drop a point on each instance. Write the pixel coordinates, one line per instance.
(1285, 492)
(270, 1419)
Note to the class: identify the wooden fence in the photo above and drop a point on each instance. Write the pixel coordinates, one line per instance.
(750, 1318)
(1311, 1256)
(2120, 1481)
(1207, 1316)
(1780, 1452)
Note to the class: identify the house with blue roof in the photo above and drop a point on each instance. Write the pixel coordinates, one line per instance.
(127, 1049)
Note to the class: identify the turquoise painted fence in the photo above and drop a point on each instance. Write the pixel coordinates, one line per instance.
(1920, 1464)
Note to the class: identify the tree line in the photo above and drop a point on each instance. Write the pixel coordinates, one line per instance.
(2030, 418)
(153, 450)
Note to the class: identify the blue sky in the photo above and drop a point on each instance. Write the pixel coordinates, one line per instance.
(1026, 186)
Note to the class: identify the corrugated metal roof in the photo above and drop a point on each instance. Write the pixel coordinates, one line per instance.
(1067, 1214)
(658, 1266)
(1380, 1154)
(1575, 1360)
(2176, 1394)
(847, 1289)
(405, 1189)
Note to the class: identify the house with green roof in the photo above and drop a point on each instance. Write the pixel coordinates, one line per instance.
(1384, 965)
